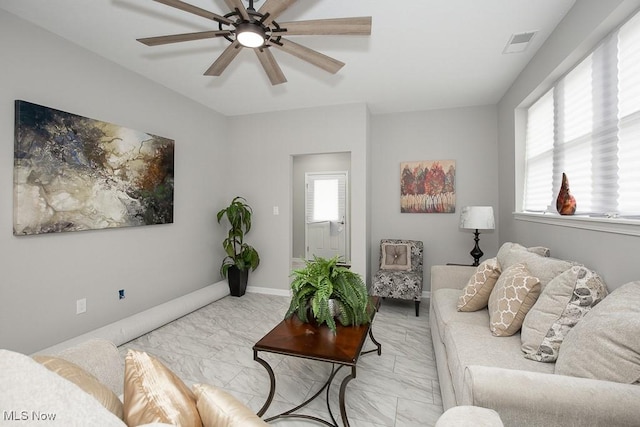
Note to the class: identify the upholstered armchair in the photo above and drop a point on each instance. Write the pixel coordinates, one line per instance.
(400, 274)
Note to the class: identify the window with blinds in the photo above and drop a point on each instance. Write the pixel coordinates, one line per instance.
(588, 126)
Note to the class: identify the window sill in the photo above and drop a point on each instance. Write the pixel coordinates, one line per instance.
(629, 227)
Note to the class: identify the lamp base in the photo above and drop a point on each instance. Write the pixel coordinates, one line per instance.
(476, 253)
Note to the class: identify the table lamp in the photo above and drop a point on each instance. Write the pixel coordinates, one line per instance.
(477, 218)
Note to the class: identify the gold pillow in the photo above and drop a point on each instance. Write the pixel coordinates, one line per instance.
(512, 297)
(218, 408)
(476, 294)
(396, 256)
(83, 379)
(152, 393)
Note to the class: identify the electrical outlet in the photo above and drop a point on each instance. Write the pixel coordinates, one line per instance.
(121, 294)
(81, 306)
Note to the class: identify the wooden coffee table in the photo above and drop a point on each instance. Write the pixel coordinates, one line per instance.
(292, 337)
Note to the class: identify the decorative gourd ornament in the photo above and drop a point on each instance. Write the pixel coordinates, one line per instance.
(565, 203)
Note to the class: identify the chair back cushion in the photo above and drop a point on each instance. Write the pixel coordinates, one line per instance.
(401, 255)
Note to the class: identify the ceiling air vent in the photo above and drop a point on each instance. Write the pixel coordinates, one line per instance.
(519, 42)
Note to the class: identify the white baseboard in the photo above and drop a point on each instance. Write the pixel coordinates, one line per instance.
(287, 292)
(132, 327)
(269, 291)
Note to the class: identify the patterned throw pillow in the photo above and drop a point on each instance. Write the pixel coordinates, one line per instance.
(152, 393)
(563, 302)
(475, 295)
(396, 256)
(512, 297)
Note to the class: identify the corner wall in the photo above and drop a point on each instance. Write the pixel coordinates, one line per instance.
(613, 256)
(43, 276)
(260, 168)
(466, 135)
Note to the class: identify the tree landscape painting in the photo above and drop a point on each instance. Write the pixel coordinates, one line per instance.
(74, 173)
(428, 186)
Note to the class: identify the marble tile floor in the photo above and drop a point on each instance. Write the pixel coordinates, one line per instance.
(214, 345)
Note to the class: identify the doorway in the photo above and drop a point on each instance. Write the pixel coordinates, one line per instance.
(324, 163)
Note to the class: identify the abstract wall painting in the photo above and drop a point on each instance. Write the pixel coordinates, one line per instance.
(73, 173)
(428, 186)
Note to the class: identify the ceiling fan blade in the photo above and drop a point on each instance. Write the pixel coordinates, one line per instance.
(177, 38)
(224, 59)
(195, 10)
(271, 67)
(239, 6)
(337, 26)
(314, 57)
(274, 8)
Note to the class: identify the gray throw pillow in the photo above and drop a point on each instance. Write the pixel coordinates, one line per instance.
(542, 267)
(605, 344)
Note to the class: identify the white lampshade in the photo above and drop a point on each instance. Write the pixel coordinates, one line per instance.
(477, 218)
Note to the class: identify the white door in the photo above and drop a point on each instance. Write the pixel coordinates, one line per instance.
(326, 213)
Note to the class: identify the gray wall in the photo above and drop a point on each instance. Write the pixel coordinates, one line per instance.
(331, 162)
(263, 174)
(614, 256)
(466, 135)
(43, 276)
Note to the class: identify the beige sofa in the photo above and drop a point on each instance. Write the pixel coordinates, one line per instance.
(480, 369)
(86, 385)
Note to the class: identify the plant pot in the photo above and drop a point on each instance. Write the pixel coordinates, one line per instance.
(237, 280)
(334, 311)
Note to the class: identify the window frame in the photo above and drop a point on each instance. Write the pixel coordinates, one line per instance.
(629, 225)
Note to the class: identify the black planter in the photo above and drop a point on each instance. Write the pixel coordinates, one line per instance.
(237, 281)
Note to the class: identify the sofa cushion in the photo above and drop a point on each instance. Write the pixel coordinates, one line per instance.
(542, 267)
(396, 256)
(84, 380)
(469, 344)
(218, 408)
(562, 303)
(475, 295)
(605, 344)
(512, 297)
(445, 312)
(25, 382)
(152, 393)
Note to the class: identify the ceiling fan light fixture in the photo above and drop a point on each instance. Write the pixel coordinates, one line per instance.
(250, 35)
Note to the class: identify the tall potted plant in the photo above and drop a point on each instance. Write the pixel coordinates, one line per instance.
(241, 257)
(328, 291)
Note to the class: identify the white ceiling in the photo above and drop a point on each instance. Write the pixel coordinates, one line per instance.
(421, 55)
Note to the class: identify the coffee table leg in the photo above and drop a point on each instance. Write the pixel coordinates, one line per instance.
(272, 386)
(343, 390)
(375, 342)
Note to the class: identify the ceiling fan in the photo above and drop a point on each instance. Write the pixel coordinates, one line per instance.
(258, 30)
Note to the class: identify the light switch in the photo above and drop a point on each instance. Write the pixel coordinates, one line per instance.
(276, 210)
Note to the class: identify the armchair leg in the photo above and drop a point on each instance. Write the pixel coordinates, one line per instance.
(417, 308)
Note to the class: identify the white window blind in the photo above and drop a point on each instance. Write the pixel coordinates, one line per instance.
(588, 126)
(326, 196)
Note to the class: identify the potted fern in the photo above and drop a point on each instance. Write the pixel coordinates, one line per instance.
(327, 291)
(241, 257)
